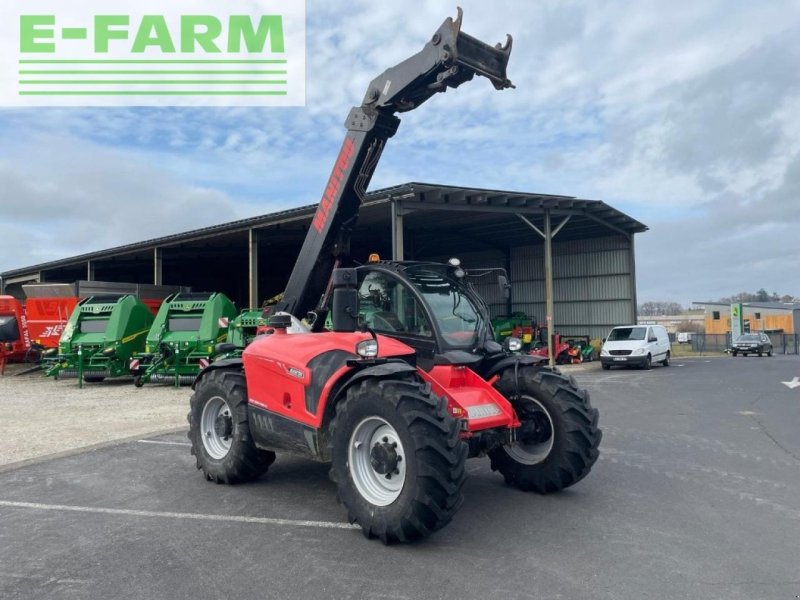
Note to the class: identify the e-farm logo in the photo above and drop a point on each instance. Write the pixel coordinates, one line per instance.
(199, 52)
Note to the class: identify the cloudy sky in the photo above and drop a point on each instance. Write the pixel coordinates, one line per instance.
(685, 115)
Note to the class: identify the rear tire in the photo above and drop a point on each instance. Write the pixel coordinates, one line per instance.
(220, 432)
(383, 419)
(548, 399)
(665, 362)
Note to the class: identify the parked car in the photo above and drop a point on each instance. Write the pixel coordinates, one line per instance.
(752, 343)
(684, 337)
(636, 345)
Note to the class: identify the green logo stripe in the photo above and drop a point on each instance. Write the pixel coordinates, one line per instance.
(151, 81)
(152, 93)
(153, 62)
(151, 72)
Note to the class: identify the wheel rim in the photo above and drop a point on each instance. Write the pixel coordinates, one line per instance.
(536, 452)
(377, 461)
(216, 428)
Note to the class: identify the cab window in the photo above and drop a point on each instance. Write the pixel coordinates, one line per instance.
(386, 305)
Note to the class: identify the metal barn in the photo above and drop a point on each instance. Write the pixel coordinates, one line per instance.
(575, 255)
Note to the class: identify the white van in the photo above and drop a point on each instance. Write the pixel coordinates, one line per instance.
(636, 345)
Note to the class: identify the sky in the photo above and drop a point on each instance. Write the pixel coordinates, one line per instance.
(684, 115)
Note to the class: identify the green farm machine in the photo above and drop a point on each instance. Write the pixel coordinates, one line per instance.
(518, 325)
(100, 337)
(242, 330)
(182, 339)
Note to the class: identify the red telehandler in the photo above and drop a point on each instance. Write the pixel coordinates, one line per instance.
(407, 382)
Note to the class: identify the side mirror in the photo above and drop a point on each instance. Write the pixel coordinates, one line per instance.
(344, 315)
(505, 287)
(652, 338)
(604, 340)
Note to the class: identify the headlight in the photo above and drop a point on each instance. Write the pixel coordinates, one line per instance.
(639, 351)
(604, 352)
(512, 344)
(367, 348)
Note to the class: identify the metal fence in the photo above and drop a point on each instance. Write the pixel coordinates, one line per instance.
(782, 343)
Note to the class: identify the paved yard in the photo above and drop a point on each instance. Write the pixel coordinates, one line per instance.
(695, 496)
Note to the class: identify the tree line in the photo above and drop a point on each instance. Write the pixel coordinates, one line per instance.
(653, 309)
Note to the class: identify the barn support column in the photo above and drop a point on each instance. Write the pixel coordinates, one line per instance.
(548, 285)
(634, 299)
(158, 266)
(547, 235)
(252, 256)
(89, 270)
(510, 299)
(397, 230)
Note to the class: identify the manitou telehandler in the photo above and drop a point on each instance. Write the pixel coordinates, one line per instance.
(407, 382)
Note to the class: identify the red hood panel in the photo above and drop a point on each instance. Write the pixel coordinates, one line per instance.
(300, 348)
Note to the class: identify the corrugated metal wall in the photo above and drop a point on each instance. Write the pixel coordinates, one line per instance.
(592, 279)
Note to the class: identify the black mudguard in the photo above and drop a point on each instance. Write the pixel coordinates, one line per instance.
(514, 359)
(387, 369)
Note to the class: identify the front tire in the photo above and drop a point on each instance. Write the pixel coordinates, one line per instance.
(398, 461)
(665, 362)
(548, 461)
(220, 432)
(648, 363)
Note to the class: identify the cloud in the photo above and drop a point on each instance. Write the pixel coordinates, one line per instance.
(92, 198)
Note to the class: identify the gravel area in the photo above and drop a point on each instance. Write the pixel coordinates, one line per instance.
(43, 417)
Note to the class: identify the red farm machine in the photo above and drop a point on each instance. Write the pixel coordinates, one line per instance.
(408, 381)
(29, 330)
(15, 342)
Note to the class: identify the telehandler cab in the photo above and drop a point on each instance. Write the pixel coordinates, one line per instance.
(408, 382)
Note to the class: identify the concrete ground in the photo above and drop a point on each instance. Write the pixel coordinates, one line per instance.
(696, 495)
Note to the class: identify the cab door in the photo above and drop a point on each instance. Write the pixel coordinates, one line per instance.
(389, 307)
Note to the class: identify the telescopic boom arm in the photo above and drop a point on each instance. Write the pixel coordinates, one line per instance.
(449, 59)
